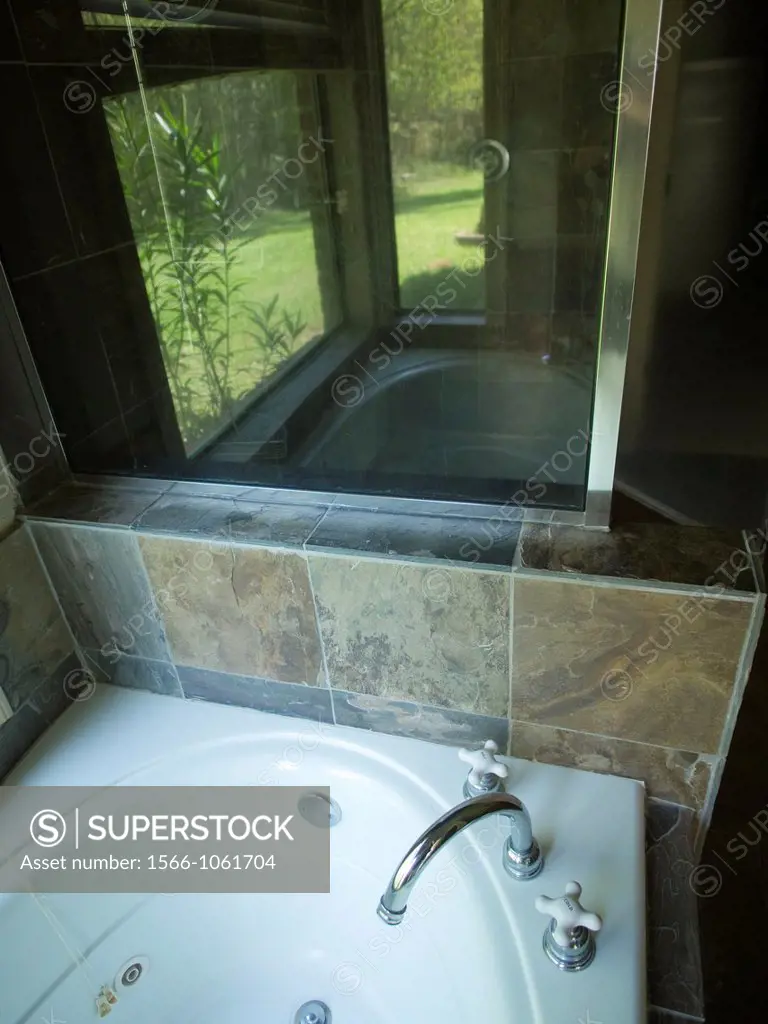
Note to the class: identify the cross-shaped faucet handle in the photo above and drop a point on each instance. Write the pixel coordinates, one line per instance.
(483, 762)
(568, 914)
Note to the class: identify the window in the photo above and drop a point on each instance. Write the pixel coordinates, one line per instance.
(435, 101)
(345, 245)
(215, 174)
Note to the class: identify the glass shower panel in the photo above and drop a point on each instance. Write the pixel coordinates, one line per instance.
(434, 70)
(227, 249)
(356, 247)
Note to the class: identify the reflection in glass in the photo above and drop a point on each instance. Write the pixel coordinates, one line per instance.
(333, 245)
(435, 99)
(214, 176)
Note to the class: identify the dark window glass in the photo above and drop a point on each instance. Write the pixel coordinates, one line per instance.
(220, 214)
(350, 245)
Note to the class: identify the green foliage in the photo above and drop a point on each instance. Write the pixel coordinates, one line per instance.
(181, 199)
(274, 331)
(434, 75)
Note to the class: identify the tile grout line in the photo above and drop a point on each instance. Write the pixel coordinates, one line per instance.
(708, 807)
(320, 638)
(315, 528)
(677, 1014)
(156, 610)
(743, 673)
(510, 655)
(644, 586)
(135, 523)
(743, 670)
(619, 739)
(76, 645)
(755, 564)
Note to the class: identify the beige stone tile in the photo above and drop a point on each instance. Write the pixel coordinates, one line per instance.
(652, 666)
(431, 635)
(236, 609)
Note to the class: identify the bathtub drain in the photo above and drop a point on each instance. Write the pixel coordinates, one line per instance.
(313, 1012)
(131, 972)
(319, 810)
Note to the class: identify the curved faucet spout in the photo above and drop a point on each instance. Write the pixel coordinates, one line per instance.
(522, 856)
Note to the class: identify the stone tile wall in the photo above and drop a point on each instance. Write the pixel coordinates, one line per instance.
(625, 653)
(40, 672)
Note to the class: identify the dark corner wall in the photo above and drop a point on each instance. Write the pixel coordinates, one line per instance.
(694, 437)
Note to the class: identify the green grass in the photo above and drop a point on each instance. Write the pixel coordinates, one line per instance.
(429, 212)
(282, 262)
(431, 207)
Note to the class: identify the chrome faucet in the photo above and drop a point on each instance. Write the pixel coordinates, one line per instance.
(522, 857)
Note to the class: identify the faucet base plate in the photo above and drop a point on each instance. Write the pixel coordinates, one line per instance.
(523, 866)
(389, 916)
(577, 957)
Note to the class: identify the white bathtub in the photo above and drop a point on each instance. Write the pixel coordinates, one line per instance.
(470, 949)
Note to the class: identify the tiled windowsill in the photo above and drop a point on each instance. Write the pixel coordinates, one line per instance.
(503, 537)
(423, 531)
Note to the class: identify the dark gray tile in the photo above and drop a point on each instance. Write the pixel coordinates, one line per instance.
(200, 489)
(406, 506)
(533, 177)
(134, 673)
(256, 495)
(36, 234)
(556, 27)
(10, 49)
(63, 333)
(17, 735)
(70, 683)
(532, 29)
(68, 99)
(527, 332)
(529, 224)
(586, 120)
(419, 721)
(583, 188)
(35, 638)
(44, 479)
(24, 728)
(594, 26)
(674, 964)
(109, 320)
(696, 556)
(50, 30)
(574, 340)
(31, 445)
(233, 519)
(292, 699)
(657, 1016)
(414, 536)
(103, 588)
(530, 275)
(578, 274)
(532, 189)
(535, 118)
(85, 503)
